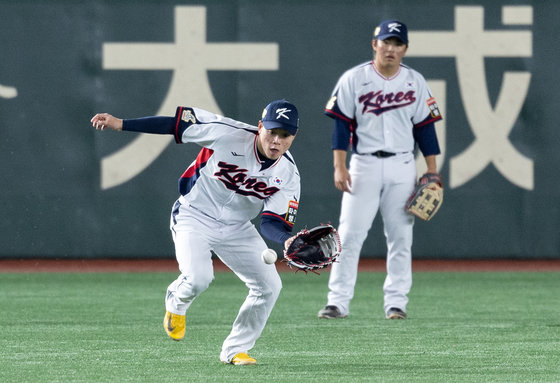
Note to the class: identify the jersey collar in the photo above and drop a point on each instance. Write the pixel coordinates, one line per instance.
(381, 75)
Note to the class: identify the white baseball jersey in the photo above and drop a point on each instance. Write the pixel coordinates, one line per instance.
(227, 181)
(382, 114)
(362, 96)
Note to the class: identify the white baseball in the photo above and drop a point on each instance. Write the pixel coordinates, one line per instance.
(269, 256)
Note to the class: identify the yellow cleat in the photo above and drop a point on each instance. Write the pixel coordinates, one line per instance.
(174, 325)
(243, 359)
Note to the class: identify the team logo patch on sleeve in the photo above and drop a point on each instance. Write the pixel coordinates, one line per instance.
(188, 116)
(331, 102)
(292, 212)
(432, 105)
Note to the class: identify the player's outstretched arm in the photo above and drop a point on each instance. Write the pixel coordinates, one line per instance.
(105, 120)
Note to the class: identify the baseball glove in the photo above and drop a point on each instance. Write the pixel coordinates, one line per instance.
(313, 249)
(427, 197)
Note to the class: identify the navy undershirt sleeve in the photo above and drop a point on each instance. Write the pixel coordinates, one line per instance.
(341, 135)
(427, 140)
(154, 125)
(275, 230)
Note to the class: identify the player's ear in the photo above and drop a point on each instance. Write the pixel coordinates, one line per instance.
(260, 126)
(374, 45)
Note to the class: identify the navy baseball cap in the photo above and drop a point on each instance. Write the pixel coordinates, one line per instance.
(391, 28)
(281, 114)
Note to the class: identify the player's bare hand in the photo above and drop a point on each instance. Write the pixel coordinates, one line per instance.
(104, 120)
(342, 179)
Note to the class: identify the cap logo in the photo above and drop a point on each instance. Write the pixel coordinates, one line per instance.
(280, 112)
(394, 27)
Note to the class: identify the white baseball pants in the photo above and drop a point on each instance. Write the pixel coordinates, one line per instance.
(383, 184)
(239, 247)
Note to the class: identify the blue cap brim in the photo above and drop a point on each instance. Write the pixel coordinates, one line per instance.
(278, 125)
(384, 37)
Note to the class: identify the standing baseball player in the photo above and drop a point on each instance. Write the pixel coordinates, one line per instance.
(241, 170)
(381, 108)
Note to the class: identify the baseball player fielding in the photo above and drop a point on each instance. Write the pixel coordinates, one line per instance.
(269, 256)
(241, 170)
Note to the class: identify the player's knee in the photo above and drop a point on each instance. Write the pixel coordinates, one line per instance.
(268, 287)
(201, 283)
(273, 286)
(194, 285)
(353, 237)
(352, 243)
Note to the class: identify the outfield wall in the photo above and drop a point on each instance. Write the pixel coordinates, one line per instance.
(69, 191)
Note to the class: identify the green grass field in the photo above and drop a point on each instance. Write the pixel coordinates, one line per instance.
(106, 327)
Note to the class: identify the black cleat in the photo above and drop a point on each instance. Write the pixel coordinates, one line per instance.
(395, 313)
(331, 312)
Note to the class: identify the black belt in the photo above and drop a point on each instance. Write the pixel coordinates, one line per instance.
(382, 154)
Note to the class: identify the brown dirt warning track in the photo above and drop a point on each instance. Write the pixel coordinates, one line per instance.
(170, 265)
